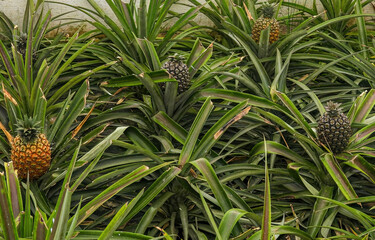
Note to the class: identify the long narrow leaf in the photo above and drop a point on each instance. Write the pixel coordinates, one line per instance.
(211, 219)
(229, 220)
(266, 219)
(117, 219)
(297, 114)
(208, 172)
(338, 176)
(154, 190)
(94, 204)
(194, 132)
(214, 133)
(319, 211)
(8, 224)
(175, 130)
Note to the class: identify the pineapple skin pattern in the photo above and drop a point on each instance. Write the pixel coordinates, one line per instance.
(263, 23)
(32, 157)
(179, 71)
(334, 128)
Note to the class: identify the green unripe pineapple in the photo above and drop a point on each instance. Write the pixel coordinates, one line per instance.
(334, 128)
(22, 45)
(179, 71)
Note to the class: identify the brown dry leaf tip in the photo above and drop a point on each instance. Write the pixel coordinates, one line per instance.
(141, 74)
(119, 90)
(193, 173)
(104, 83)
(323, 12)
(76, 130)
(237, 158)
(230, 122)
(8, 96)
(226, 61)
(295, 215)
(121, 100)
(43, 96)
(7, 134)
(158, 228)
(363, 93)
(119, 58)
(303, 78)
(266, 121)
(282, 136)
(248, 12)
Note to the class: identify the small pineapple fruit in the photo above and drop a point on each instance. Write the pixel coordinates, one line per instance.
(22, 45)
(179, 71)
(334, 128)
(264, 22)
(31, 152)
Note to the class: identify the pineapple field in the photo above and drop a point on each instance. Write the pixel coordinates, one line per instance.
(145, 123)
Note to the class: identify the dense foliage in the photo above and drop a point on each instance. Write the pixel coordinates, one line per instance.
(185, 131)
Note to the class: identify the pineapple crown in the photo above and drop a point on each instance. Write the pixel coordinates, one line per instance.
(267, 10)
(28, 129)
(333, 108)
(176, 58)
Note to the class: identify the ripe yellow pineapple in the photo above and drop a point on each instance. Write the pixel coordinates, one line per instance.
(264, 22)
(31, 152)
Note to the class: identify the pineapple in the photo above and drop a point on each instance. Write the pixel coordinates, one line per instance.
(334, 128)
(178, 70)
(31, 152)
(22, 45)
(264, 22)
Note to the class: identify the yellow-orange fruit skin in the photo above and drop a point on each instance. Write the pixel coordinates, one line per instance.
(31, 157)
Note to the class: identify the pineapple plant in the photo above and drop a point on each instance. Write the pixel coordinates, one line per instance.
(267, 20)
(334, 128)
(337, 177)
(178, 70)
(30, 150)
(31, 100)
